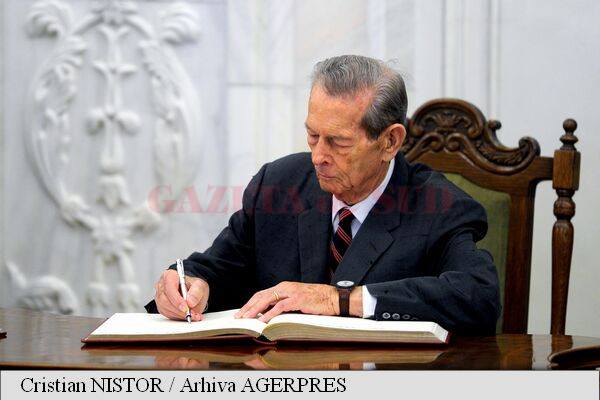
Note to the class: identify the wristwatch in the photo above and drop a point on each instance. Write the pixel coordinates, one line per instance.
(344, 288)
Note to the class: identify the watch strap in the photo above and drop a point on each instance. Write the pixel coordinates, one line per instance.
(344, 295)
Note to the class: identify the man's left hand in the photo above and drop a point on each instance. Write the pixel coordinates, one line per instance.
(308, 298)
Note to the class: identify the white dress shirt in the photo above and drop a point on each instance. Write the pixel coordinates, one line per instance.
(360, 211)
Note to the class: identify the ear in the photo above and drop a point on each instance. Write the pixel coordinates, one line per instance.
(392, 137)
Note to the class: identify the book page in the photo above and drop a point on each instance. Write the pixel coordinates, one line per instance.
(156, 324)
(355, 323)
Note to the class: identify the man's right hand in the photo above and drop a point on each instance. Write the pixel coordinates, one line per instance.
(169, 301)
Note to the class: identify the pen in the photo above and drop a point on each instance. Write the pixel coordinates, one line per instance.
(180, 272)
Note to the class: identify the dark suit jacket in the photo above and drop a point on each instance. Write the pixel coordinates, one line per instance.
(415, 251)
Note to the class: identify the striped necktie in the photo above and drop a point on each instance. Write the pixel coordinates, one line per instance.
(342, 238)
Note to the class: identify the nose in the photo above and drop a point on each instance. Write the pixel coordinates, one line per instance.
(320, 154)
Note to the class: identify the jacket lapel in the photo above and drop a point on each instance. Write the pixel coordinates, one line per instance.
(372, 240)
(374, 237)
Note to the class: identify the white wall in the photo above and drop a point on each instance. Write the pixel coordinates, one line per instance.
(549, 70)
(530, 64)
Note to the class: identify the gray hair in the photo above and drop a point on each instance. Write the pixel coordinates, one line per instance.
(346, 75)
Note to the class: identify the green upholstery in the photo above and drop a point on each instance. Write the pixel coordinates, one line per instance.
(497, 206)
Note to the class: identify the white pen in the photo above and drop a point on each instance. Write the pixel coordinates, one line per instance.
(181, 274)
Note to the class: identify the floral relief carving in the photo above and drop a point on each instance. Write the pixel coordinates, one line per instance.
(49, 18)
(446, 121)
(511, 158)
(179, 24)
(115, 216)
(454, 125)
(114, 12)
(44, 293)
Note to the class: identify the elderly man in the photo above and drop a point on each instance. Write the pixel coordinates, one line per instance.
(347, 229)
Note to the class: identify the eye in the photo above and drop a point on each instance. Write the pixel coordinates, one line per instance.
(312, 138)
(341, 143)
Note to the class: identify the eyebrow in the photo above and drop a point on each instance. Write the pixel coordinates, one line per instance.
(308, 127)
(332, 136)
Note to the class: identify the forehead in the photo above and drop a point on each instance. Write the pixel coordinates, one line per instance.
(336, 114)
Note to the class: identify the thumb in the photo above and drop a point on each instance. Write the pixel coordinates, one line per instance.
(197, 296)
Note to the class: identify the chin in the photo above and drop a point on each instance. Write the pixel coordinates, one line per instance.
(333, 189)
(328, 187)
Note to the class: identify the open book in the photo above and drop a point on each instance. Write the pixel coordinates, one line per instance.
(138, 327)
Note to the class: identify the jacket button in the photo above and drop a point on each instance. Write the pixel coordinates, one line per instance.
(395, 316)
(406, 317)
(386, 315)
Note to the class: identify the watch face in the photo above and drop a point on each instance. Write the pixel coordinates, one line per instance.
(345, 284)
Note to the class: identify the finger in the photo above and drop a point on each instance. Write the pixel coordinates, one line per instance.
(171, 290)
(158, 288)
(196, 313)
(167, 309)
(174, 315)
(263, 303)
(197, 297)
(163, 304)
(280, 307)
(249, 304)
(196, 293)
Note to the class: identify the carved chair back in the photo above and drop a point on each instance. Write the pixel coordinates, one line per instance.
(453, 137)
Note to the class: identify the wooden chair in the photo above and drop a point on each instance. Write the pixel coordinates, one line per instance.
(453, 137)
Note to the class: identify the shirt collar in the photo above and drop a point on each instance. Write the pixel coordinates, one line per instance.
(361, 209)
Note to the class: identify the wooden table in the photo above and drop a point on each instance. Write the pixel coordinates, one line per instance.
(41, 340)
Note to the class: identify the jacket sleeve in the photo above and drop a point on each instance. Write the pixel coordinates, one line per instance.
(458, 284)
(228, 265)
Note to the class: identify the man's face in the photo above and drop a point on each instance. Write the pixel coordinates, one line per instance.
(348, 163)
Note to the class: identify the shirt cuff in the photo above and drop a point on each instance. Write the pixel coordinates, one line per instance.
(369, 303)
